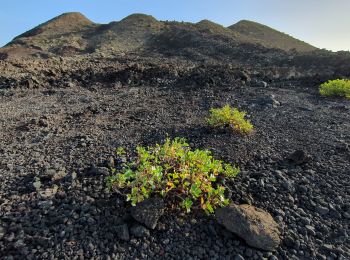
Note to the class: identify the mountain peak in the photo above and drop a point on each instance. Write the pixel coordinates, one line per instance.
(63, 23)
(74, 17)
(247, 26)
(254, 32)
(212, 27)
(139, 18)
(68, 20)
(246, 22)
(72, 14)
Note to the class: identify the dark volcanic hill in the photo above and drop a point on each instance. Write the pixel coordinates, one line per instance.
(73, 33)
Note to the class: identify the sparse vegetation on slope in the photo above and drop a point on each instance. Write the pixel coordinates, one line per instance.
(230, 117)
(174, 171)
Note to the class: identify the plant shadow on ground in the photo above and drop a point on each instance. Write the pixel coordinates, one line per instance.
(223, 142)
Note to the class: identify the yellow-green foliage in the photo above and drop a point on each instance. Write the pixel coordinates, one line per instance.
(174, 171)
(231, 117)
(338, 87)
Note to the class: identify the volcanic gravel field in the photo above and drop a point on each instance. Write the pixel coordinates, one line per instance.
(57, 143)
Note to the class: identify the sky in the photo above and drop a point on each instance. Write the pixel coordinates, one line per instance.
(322, 23)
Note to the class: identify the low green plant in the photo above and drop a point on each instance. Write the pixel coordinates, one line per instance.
(174, 171)
(231, 117)
(338, 87)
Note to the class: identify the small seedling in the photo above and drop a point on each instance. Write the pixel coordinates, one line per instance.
(230, 117)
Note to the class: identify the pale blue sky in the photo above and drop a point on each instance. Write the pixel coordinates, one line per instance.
(323, 23)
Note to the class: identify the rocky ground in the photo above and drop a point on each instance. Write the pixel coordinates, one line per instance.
(58, 137)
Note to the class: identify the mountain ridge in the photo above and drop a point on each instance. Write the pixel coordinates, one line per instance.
(74, 34)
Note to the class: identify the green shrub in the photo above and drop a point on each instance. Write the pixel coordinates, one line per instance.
(231, 117)
(338, 87)
(174, 171)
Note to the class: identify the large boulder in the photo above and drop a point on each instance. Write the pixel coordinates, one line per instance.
(148, 212)
(254, 225)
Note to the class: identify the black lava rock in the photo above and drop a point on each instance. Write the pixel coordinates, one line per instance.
(148, 212)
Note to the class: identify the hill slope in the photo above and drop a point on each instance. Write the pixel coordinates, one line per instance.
(253, 32)
(129, 34)
(61, 35)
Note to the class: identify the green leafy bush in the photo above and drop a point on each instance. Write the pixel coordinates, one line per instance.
(232, 117)
(174, 171)
(338, 87)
